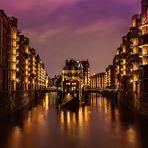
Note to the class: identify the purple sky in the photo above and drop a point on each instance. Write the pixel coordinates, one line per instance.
(80, 29)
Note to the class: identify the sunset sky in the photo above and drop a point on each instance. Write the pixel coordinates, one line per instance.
(79, 29)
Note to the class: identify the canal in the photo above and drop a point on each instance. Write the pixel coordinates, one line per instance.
(99, 124)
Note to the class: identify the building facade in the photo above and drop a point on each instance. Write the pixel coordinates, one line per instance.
(97, 80)
(4, 40)
(129, 70)
(8, 45)
(76, 73)
(131, 59)
(109, 77)
(40, 74)
(22, 72)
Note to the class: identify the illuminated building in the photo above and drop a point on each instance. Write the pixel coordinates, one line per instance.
(57, 81)
(134, 58)
(21, 70)
(117, 69)
(86, 74)
(32, 68)
(23, 63)
(33, 75)
(4, 40)
(101, 80)
(12, 56)
(98, 80)
(8, 44)
(93, 81)
(47, 81)
(109, 77)
(131, 61)
(74, 79)
(104, 79)
(126, 61)
(144, 48)
(40, 74)
(75, 73)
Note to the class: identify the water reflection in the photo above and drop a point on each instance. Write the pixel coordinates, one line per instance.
(100, 123)
(75, 122)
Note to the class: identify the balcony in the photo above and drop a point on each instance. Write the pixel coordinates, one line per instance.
(144, 40)
(123, 55)
(134, 57)
(26, 55)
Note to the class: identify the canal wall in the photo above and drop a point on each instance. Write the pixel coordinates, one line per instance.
(134, 102)
(17, 101)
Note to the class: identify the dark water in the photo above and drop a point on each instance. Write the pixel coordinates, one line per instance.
(102, 124)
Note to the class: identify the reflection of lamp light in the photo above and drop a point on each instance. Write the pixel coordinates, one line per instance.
(131, 80)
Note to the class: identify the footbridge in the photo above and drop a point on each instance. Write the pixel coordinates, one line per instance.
(49, 89)
(101, 90)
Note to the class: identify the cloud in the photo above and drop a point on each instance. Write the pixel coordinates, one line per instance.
(35, 13)
(22, 5)
(126, 1)
(103, 27)
(41, 36)
(73, 28)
